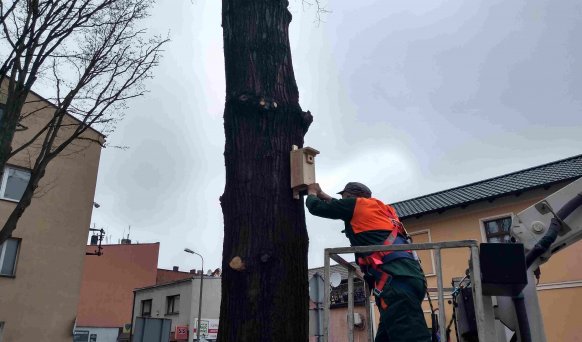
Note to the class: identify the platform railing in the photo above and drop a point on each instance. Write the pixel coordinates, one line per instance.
(483, 307)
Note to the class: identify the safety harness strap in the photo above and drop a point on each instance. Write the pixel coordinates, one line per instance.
(375, 260)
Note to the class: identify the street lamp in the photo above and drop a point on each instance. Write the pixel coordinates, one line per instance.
(188, 250)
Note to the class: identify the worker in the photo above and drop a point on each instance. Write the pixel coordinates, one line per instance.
(396, 277)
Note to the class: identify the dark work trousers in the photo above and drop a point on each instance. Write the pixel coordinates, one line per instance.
(403, 319)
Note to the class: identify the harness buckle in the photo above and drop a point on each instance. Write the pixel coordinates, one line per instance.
(376, 292)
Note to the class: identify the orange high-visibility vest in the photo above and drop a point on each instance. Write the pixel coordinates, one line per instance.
(372, 214)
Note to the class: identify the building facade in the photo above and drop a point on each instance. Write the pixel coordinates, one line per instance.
(107, 288)
(41, 265)
(178, 301)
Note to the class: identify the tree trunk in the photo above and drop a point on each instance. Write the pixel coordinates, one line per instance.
(264, 279)
(9, 120)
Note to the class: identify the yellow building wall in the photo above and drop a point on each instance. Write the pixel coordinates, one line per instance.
(40, 302)
(560, 287)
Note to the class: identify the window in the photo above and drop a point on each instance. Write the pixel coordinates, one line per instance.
(339, 294)
(8, 256)
(146, 308)
(498, 230)
(1, 330)
(13, 183)
(81, 336)
(173, 304)
(427, 256)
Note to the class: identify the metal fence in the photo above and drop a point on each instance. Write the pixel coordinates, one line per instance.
(483, 307)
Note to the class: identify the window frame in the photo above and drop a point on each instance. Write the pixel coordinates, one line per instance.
(4, 181)
(171, 300)
(420, 232)
(483, 221)
(16, 257)
(142, 312)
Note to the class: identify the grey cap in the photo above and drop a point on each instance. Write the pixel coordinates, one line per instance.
(357, 189)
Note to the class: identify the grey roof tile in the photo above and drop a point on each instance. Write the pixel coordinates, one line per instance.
(531, 178)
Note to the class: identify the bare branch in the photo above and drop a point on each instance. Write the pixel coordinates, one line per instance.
(28, 114)
(320, 9)
(4, 13)
(97, 141)
(93, 57)
(31, 141)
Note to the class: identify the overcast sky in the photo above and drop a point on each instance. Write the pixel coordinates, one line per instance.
(408, 97)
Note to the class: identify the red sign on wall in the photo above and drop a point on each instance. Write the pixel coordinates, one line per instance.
(181, 333)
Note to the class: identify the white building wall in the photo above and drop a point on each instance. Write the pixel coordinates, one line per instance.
(210, 302)
(103, 334)
(158, 295)
(189, 292)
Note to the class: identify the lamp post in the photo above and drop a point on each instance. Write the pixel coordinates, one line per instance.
(188, 250)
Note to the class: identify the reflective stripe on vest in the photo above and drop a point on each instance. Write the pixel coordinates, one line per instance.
(372, 214)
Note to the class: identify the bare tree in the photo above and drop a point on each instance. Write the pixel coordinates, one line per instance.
(264, 279)
(93, 55)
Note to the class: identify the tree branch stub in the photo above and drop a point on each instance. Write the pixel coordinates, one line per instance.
(237, 264)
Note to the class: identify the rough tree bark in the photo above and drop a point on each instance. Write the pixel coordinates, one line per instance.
(264, 282)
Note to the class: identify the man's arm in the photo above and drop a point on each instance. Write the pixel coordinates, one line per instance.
(321, 204)
(315, 189)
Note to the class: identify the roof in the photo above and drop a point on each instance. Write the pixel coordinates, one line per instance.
(164, 284)
(168, 276)
(189, 279)
(541, 176)
(332, 269)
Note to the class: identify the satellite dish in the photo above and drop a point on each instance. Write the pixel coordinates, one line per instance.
(335, 279)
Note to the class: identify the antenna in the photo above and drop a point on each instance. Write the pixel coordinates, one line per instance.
(126, 240)
(96, 240)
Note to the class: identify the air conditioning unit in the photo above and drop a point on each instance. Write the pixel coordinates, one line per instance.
(358, 320)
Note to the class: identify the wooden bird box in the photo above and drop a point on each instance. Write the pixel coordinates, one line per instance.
(302, 169)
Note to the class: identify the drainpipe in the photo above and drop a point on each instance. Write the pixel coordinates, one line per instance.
(132, 313)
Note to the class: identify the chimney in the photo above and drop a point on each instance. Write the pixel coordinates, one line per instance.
(193, 271)
(125, 241)
(175, 268)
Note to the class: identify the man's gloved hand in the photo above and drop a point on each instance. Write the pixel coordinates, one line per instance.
(314, 189)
